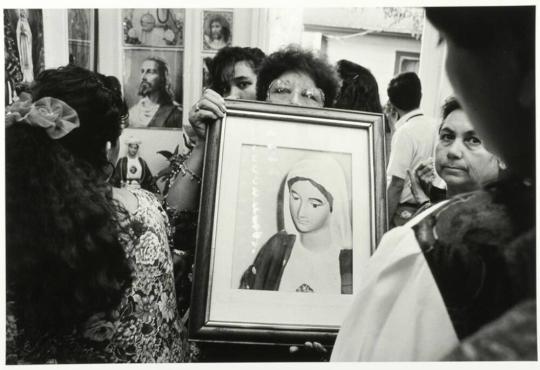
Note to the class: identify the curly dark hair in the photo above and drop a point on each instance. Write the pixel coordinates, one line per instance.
(64, 259)
(294, 58)
(359, 90)
(221, 71)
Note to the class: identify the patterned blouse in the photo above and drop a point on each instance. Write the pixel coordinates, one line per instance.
(145, 327)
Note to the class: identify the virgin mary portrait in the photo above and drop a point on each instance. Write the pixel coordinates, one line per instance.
(313, 252)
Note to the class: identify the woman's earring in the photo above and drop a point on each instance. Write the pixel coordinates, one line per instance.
(502, 165)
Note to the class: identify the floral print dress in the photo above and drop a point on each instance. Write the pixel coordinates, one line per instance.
(145, 327)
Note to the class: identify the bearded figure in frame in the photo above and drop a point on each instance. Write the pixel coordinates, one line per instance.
(218, 33)
(314, 251)
(156, 108)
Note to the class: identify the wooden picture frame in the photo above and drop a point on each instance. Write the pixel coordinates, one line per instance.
(251, 156)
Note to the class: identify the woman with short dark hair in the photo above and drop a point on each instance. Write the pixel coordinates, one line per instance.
(291, 66)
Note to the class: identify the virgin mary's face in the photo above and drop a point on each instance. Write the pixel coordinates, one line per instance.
(309, 208)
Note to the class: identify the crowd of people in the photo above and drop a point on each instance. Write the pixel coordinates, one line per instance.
(90, 270)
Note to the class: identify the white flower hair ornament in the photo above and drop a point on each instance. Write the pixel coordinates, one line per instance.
(55, 116)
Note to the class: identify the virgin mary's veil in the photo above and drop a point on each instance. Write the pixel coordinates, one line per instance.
(327, 172)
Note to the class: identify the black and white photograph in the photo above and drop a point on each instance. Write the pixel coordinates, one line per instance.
(289, 183)
(218, 29)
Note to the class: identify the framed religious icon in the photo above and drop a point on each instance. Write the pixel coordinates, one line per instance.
(24, 53)
(153, 27)
(143, 158)
(82, 37)
(292, 206)
(217, 29)
(153, 87)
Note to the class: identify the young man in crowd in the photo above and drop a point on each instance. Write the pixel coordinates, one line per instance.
(413, 142)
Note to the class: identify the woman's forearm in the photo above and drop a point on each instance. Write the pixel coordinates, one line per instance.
(184, 192)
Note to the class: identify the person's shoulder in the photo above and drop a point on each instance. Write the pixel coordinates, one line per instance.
(126, 199)
(469, 217)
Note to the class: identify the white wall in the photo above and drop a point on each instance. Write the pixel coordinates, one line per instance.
(55, 37)
(376, 53)
(435, 84)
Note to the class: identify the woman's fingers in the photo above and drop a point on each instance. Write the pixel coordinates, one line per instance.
(309, 346)
(294, 349)
(210, 105)
(319, 347)
(215, 98)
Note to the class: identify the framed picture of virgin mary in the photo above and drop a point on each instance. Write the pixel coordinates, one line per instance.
(293, 205)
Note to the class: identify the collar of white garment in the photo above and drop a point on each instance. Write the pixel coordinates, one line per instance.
(406, 117)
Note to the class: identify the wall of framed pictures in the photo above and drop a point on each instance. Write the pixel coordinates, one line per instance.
(119, 42)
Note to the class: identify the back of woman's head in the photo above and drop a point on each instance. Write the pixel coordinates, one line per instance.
(64, 259)
(296, 59)
(98, 102)
(359, 90)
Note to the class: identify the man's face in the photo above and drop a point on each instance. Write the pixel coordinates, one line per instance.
(215, 30)
(133, 149)
(150, 80)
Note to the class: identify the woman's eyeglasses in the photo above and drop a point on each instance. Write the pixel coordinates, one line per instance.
(283, 92)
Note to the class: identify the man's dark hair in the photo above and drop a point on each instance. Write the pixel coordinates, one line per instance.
(222, 66)
(359, 90)
(405, 91)
(295, 59)
(166, 94)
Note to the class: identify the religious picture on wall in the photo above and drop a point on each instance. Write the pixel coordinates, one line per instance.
(81, 37)
(310, 249)
(23, 48)
(153, 88)
(132, 171)
(153, 27)
(218, 28)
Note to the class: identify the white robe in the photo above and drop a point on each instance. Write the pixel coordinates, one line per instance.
(398, 313)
